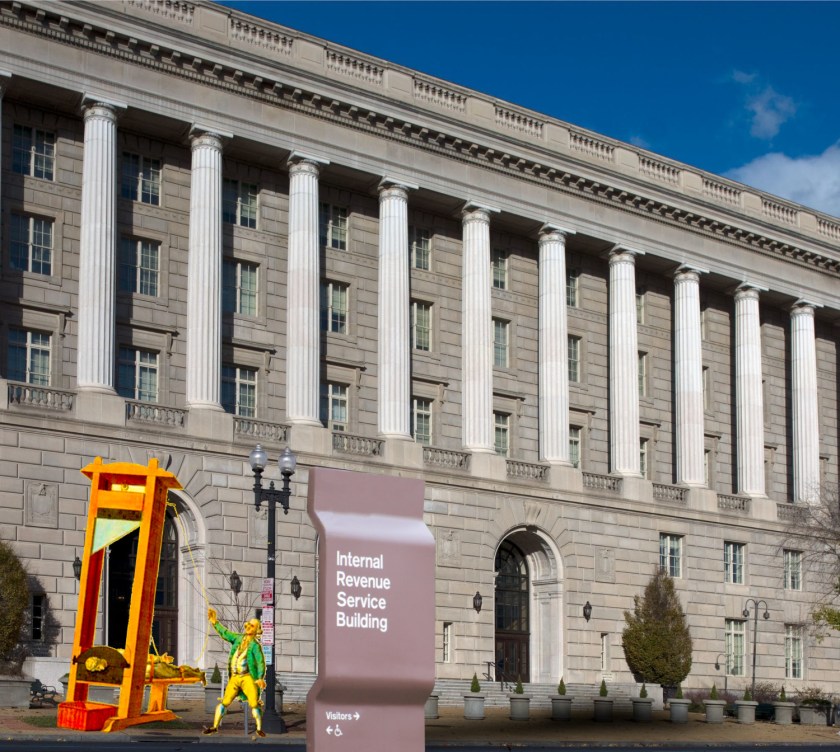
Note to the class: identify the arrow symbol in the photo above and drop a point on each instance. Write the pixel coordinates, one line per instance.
(357, 716)
(329, 729)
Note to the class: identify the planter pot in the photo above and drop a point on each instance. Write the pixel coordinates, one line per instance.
(520, 707)
(746, 710)
(784, 712)
(212, 696)
(814, 715)
(561, 708)
(679, 710)
(714, 710)
(430, 711)
(14, 691)
(474, 707)
(642, 707)
(603, 709)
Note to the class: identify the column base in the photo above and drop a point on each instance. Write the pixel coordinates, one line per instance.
(312, 439)
(565, 478)
(100, 407)
(210, 423)
(403, 452)
(488, 465)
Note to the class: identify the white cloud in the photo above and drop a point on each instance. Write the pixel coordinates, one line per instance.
(810, 180)
(639, 141)
(770, 110)
(743, 78)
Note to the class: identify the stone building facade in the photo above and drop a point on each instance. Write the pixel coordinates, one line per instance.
(217, 232)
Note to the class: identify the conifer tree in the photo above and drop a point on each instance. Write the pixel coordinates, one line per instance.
(656, 640)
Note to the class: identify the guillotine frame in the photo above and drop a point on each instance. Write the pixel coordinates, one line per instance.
(124, 497)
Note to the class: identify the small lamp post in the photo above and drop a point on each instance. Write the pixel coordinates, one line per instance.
(587, 611)
(725, 668)
(258, 460)
(477, 601)
(746, 613)
(296, 587)
(235, 582)
(77, 567)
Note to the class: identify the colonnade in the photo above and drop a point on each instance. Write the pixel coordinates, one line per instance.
(96, 323)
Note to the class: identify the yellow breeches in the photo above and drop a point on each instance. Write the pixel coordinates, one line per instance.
(244, 684)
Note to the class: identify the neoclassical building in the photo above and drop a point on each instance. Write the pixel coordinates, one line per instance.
(218, 232)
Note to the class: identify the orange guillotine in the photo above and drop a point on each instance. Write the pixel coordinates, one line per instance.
(124, 497)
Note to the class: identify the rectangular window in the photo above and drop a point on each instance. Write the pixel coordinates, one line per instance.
(137, 374)
(334, 406)
(139, 266)
(33, 152)
(501, 422)
(499, 268)
(29, 357)
(420, 247)
(572, 288)
(239, 287)
(447, 642)
(500, 343)
(793, 651)
(333, 227)
(643, 375)
(334, 311)
(793, 570)
(140, 179)
(421, 325)
(421, 420)
(239, 203)
(39, 614)
(734, 647)
(239, 390)
(605, 652)
(31, 244)
(670, 554)
(733, 563)
(573, 345)
(644, 465)
(574, 446)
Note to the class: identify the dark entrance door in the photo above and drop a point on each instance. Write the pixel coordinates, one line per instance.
(121, 562)
(513, 632)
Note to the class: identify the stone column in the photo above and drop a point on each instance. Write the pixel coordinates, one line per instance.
(806, 423)
(98, 248)
(5, 80)
(394, 302)
(303, 294)
(624, 364)
(688, 379)
(553, 347)
(204, 279)
(749, 397)
(477, 332)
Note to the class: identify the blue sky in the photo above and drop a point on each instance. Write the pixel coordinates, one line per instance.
(750, 90)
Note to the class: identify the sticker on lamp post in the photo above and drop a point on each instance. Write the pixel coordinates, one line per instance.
(376, 613)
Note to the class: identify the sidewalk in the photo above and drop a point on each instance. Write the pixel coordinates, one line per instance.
(496, 729)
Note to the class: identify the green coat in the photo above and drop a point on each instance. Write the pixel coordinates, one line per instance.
(254, 656)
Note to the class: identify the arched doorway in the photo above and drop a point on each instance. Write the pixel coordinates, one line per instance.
(513, 633)
(529, 607)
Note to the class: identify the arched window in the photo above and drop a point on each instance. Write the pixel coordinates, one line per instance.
(513, 632)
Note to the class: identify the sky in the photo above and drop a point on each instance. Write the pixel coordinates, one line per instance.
(747, 90)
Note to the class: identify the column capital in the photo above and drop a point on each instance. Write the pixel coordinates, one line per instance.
(473, 212)
(690, 269)
(621, 252)
(92, 106)
(202, 135)
(748, 290)
(554, 232)
(300, 162)
(804, 305)
(403, 185)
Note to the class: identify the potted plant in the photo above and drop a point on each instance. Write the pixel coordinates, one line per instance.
(714, 707)
(561, 704)
(14, 595)
(213, 690)
(814, 707)
(603, 704)
(678, 707)
(746, 708)
(642, 705)
(474, 702)
(783, 710)
(519, 703)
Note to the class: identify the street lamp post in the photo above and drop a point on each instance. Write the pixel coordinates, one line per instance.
(746, 613)
(258, 460)
(725, 669)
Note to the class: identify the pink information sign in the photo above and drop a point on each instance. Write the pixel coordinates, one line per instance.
(376, 613)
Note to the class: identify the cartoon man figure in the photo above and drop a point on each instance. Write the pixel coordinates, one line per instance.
(247, 670)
